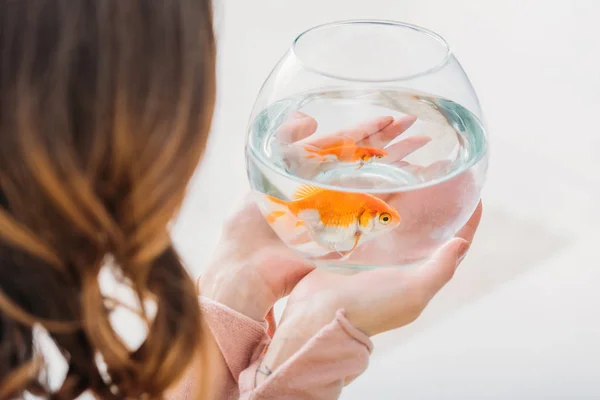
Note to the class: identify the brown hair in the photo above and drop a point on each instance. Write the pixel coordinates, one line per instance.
(105, 108)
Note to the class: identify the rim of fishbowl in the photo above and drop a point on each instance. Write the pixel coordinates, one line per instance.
(401, 24)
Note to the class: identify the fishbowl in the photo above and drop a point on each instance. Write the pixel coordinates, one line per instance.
(366, 146)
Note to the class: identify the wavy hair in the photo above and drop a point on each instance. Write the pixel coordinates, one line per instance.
(105, 109)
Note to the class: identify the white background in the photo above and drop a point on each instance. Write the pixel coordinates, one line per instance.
(521, 319)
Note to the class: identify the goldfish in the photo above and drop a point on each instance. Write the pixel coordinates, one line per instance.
(335, 220)
(342, 149)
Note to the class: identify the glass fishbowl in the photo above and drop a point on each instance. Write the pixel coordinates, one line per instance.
(366, 146)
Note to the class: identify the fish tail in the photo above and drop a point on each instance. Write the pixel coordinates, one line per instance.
(276, 200)
(315, 155)
(276, 214)
(272, 217)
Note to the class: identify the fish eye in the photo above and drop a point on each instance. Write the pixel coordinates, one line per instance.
(379, 156)
(385, 218)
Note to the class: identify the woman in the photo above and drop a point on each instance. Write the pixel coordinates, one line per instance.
(105, 109)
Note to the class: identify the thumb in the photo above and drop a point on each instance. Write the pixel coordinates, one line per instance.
(282, 270)
(440, 269)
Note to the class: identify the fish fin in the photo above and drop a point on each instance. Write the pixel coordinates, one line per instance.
(339, 252)
(276, 200)
(279, 209)
(272, 217)
(300, 224)
(365, 218)
(313, 151)
(305, 191)
(362, 164)
(276, 214)
(321, 159)
(346, 255)
(310, 148)
(358, 236)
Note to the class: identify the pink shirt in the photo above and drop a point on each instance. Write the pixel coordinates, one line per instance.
(336, 355)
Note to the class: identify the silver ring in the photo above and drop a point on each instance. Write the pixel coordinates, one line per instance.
(266, 372)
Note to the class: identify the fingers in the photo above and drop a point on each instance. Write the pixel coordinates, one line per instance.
(433, 171)
(366, 129)
(403, 148)
(299, 127)
(440, 269)
(468, 231)
(282, 270)
(374, 133)
(378, 132)
(383, 137)
(437, 169)
(296, 272)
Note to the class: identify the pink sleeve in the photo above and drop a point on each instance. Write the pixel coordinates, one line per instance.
(336, 355)
(237, 336)
(320, 369)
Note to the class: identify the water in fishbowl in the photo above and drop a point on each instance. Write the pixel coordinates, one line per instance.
(362, 179)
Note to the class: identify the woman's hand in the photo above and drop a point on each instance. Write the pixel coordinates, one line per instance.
(374, 301)
(379, 300)
(252, 268)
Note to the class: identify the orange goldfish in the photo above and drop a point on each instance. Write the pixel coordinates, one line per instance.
(342, 149)
(337, 220)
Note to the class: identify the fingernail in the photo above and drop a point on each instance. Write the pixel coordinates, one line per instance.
(462, 251)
